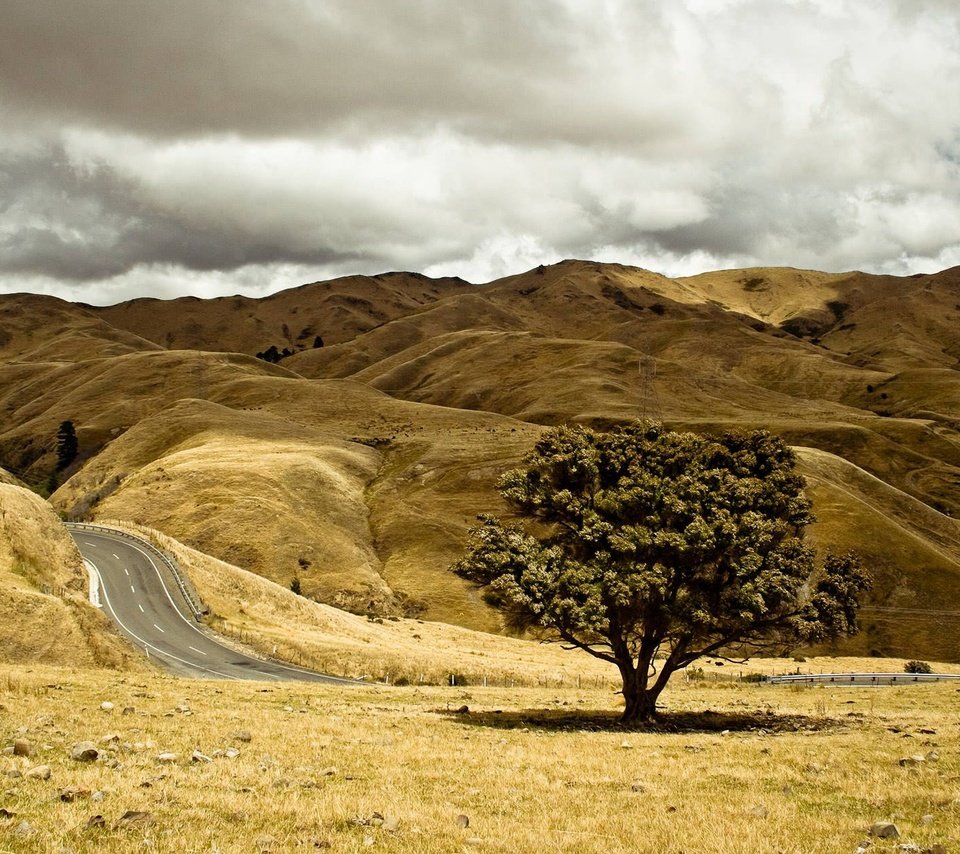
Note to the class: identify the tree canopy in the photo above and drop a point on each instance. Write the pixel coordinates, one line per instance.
(67, 445)
(650, 548)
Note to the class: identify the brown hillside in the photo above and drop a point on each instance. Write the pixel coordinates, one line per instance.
(360, 465)
(44, 615)
(337, 311)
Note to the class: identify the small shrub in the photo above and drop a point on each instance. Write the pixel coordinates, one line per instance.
(754, 677)
(695, 674)
(917, 667)
(295, 585)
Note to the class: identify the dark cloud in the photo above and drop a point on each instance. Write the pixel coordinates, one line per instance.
(501, 68)
(78, 223)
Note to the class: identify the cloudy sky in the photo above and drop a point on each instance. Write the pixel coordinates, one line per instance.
(164, 147)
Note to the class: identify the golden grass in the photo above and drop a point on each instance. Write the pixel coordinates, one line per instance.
(797, 770)
(44, 614)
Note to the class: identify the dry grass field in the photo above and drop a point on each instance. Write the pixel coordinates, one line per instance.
(186, 766)
(358, 466)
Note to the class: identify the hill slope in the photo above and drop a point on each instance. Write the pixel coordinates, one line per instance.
(358, 463)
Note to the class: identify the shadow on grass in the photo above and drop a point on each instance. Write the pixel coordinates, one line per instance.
(565, 720)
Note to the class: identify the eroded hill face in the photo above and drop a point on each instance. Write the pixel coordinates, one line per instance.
(357, 462)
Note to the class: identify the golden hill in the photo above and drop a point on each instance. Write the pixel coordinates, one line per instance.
(359, 465)
(44, 615)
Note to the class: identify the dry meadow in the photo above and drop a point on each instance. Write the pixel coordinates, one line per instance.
(191, 766)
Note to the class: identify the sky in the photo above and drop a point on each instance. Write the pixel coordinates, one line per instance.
(210, 147)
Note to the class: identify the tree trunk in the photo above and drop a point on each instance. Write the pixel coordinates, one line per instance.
(640, 698)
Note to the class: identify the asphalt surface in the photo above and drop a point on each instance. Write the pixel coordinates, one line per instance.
(133, 593)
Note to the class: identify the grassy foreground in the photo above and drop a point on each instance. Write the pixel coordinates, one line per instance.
(738, 767)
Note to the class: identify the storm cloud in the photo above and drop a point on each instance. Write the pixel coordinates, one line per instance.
(214, 146)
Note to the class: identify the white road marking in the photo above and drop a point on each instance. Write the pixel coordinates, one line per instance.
(132, 590)
(158, 628)
(116, 557)
(92, 545)
(193, 626)
(94, 587)
(127, 571)
(196, 650)
(141, 608)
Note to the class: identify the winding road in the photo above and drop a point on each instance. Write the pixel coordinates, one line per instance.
(128, 583)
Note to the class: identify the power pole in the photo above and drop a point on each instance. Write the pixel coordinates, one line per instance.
(649, 400)
(200, 373)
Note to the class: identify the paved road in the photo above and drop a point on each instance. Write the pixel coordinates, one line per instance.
(133, 593)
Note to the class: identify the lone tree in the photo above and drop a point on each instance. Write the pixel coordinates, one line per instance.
(67, 446)
(649, 549)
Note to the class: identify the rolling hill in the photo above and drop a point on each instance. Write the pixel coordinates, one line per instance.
(358, 462)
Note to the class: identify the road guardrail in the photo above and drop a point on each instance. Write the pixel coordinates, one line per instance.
(860, 678)
(190, 596)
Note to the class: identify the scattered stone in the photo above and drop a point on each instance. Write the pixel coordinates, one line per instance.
(885, 830)
(626, 745)
(725, 732)
(6, 814)
(368, 841)
(813, 768)
(106, 706)
(22, 747)
(231, 753)
(97, 796)
(166, 757)
(183, 710)
(84, 751)
(932, 756)
(473, 840)
(925, 731)
(244, 736)
(926, 819)
(197, 756)
(787, 789)
(112, 738)
(936, 849)
(38, 772)
(96, 821)
(863, 846)
(332, 771)
(463, 820)
(909, 848)
(23, 830)
(14, 774)
(134, 818)
(759, 811)
(288, 708)
(128, 710)
(463, 710)
(912, 761)
(73, 793)
(391, 823)
(638, 787)
(264, 843)
(693, 748)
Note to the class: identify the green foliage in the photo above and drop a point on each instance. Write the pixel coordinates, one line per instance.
(646, 541)
(917, 667)
(273, 355)
(67, 445)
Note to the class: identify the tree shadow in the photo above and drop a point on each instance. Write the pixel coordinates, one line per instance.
(708, 721)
